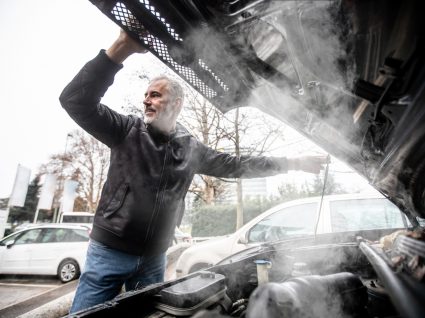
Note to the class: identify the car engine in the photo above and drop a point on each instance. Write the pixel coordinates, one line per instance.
(314, 277)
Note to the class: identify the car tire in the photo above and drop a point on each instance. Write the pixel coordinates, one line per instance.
(68, 270)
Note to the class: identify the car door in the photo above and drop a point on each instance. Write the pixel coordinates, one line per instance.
(43, 257)
(15, 259)
(57, 244)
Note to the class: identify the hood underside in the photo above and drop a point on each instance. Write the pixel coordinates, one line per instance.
(349, 75)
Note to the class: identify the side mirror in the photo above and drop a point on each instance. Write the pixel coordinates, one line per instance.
(243, 239)
(9, 244)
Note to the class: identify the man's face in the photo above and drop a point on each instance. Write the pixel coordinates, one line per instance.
(160, 110)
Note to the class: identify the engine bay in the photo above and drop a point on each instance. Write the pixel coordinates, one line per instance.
(313, 277)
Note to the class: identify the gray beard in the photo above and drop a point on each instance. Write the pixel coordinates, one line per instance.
(147, 120)
(158, 124)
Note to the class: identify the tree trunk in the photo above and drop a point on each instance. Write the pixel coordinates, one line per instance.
(239, 204)
(209, 191)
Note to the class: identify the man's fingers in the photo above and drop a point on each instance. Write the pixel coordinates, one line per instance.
(313, 164)
(137, 47)
(322, 160)
(310, 164)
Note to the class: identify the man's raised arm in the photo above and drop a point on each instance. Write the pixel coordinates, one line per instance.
(81, 97)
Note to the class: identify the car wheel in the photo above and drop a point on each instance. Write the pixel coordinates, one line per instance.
(68, 270)
(198, 267)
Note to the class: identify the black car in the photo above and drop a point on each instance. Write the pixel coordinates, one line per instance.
(348, 75)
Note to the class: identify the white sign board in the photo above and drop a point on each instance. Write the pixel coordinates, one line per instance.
(68, 196)
(20, 187)
(47, 192)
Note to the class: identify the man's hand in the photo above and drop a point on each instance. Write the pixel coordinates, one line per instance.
(311, 164)
(123, 47)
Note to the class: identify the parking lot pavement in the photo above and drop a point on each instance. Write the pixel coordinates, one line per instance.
(31, 295)
(17, 289)
(22, 294)
(14, 293)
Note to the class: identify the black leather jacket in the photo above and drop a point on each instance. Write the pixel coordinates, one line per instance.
(143, 197)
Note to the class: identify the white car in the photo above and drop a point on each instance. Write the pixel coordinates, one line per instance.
(48, 249)
(339, 213)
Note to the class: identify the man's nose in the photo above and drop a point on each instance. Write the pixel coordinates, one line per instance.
(147, 101)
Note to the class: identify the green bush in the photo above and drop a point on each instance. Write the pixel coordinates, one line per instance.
(215, 220)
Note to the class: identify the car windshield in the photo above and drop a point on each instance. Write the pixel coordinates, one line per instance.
(10, 238)
(291, 221)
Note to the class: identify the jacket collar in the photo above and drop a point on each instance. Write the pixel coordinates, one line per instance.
(158, 135)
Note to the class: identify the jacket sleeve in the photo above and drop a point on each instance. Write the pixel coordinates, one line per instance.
(224, 165)
(81, 99)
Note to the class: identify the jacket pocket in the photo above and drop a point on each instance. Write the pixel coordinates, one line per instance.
(117, 200)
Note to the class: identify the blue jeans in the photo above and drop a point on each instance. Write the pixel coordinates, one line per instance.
(107, 270)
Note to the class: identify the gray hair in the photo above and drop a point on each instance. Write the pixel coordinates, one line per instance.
(174, 87)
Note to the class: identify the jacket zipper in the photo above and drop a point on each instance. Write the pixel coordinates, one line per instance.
(159, 193)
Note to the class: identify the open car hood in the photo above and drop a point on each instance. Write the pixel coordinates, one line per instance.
(349, 75)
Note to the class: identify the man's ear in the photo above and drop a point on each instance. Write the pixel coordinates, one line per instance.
(178, 104)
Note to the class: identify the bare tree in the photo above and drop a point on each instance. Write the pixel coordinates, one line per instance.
(251, 133)
(87, 162)
(205, 122)
(89, 159)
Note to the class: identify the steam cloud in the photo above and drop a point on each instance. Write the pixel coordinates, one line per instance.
(306, 42)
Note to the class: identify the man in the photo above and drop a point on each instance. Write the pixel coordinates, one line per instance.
(153, 161)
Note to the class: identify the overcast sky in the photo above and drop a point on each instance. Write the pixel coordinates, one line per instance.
(44, 44)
